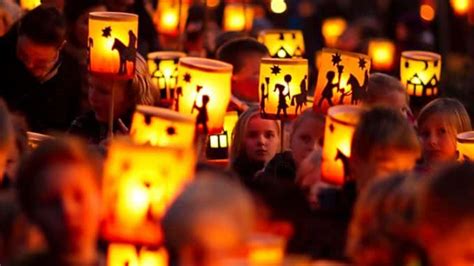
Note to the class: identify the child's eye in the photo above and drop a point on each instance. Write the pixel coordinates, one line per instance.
(252, 134)
(305, 138)
(269, 134)
(442, 130)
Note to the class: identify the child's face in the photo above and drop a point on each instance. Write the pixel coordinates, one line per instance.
(68, 209)
(438, 141)
(305, 138)
(100, 97)
(261, 139)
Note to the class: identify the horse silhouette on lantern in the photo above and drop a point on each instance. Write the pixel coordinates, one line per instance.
(300, 99)
(126, 53)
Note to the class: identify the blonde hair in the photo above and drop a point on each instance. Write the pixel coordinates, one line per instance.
(142, 90)
(307, 114)
(380, 85)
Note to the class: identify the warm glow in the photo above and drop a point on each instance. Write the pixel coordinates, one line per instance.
(162, 127)
(238, 17)
(266, 250)
(420, 72)
(167, 16)
(219, 144)
(278, 6)
(123, 254)
(341, 122)
(342, 79)
(140, 182)
(283, 43)
(283, 89)
(465, 146)
(34, 139)
(382, 53)
(461, 7)
(332, 29)
(113, 40)
(204, 79)
(29, 4)
(163, 68)
(427, 12)
(213, 3)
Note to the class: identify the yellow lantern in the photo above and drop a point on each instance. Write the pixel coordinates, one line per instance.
(461, 7)
(29, 4)
(170, 16)
(112, 43)
(278, 6)
(342, 79)
(266, 250)
(218, 144)
(420, 72)
(125, 254)
(140, 182)
(163, 68)
(238, 17)
(382, 52)
(465, 146)
(204, 91)
(162, 127)
(341, 122)
(332, 29)
(283, 43)
(283, 90)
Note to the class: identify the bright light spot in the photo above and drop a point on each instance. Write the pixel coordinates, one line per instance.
(461, 7)
(281, 53)
(213, 3)
(278, 6)
(427, 12)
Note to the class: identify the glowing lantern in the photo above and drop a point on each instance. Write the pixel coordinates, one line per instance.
(420, 72)
(283, 43)
(162, 127)
(218, 144)
(29, 4)
(140, 182)
(465, 146)
(428, 10)
(283, 87)
(342, 79)
(278, 6)
(332, 29)
(238, 17)
(163, 67)
(341, 122)
(266, 250)
(461, 7)
(123, 254)
(382, 53)
(204, 91)
(170, 16)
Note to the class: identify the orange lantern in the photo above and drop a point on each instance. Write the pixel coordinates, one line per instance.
(238, 17)
(283, 43)
(465, 146)
(332, 29)
(342, 79)
(29, 4)
(140, 182)
(163, 68)
(428, 10)
(341, 122)
(266, 250)
(204, 91)
(124, 254)
(218, 144)
(382, 52)
(461, 7)
(112, 43)
(420, 72)
(283, 87)
(170, 16)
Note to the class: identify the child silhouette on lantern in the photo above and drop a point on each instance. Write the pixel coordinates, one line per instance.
(202, 116)
(327, 93)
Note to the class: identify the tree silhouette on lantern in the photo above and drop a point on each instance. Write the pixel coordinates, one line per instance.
(264, 96)
(431, 86)
(90, 44)
(345, 164)
(202, 117)
(161, 77)
(126, 53)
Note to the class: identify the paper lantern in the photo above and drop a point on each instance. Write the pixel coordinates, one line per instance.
(140, 182)
(238, 17)
(461, 7)
(204, 91)
(341, 122)
(283, 43)
(266, 249)
(428, 10)
(29, 4)
(332, 29)
(123, 254)
(420, 72)
(170, 16)
(278, 6)
(382, 52)
(162, 127)
(112, 44)
(283, 90)
(218, 144)
(163, 68)
(342, 79)
(465, 146)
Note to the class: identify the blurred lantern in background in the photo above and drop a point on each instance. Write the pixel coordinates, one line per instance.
(162, 127)
(218, 144)
(420, 72)
(382, 53)
(341, 122)
(283, 43)
(112, 44)
(170, 16)
(278, 6)
(428, 10)
(461, 7)
(123, 254)
(163, 68)
(342, 79)
(283, 89)
(29, 4)
(332, 29)
(266, 249)
(203, 90)
(465, 146)
(238, 17)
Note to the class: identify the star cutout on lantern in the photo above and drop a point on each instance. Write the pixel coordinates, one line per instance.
(331, 128)
(187, 78)
(171, 131)
(336, 59)
(276, 70)
(106, 32)
(362, 63)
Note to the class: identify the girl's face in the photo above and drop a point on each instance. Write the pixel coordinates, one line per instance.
(437, 139)
(305, 138)
(100, 97)
(261, 139)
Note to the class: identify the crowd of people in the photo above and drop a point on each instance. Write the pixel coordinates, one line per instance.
(407, 199)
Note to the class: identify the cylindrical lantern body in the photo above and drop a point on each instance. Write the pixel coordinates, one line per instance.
(218, 144)
(125, 254)
(465, 146)
(266, 249)
(204, 91)
(283, 89)
(169, 14)
(341, 122)
(162, 127)
(163, 68)
(342, 79)
(140, 182)
(238, 17)
(112, 44)
(283, 43)
(420, 72)
(382, 52)
(333, 28)
(29, 4)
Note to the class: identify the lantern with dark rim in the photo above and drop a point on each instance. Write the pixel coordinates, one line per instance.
(163, 68)
(283, 43)
(420, 72)
(465, 146)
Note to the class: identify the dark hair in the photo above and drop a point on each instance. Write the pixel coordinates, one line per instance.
(44, 25)
(233, 51)
(73, 9)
